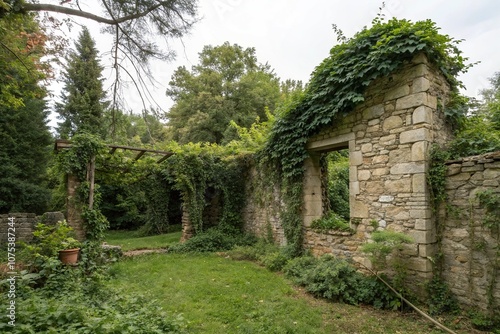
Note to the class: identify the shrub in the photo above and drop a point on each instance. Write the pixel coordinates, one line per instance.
(77, 312)
(337, 280)
(275, 261)
(331, 221)
(213, 240)
(441, 300)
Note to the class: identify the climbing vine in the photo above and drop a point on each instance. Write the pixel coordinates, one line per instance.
(86, 149)
(337, 86)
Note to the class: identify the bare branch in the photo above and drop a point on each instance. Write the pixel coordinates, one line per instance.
(37, 7)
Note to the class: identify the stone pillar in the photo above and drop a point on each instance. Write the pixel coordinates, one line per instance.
(187, 226)
(73, 209)
(313, 202)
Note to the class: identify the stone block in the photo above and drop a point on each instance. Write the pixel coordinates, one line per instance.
(373, 187)
(398, 186)
(380, 171)
(397, 92)
(400, 154)
(365, 148)
(388, 140)
(313, 208)
(355, 158)
(364, 175)
(476, 168)
(354, 188)
(419, 151)
(353, 173)
(408, 168)
(392, 122)
(421, 213)
(423, 224)
(420, 264)
(422, 114)
(423, 237)
(373, 112)
(419, 183)
(386, 198)
(358, 209)
(491, 173)
(427, 250)
(380, 159)
(415, 135)
(420, 84)
(412, 101)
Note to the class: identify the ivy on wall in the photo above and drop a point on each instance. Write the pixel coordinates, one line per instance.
(337, 85)
(76, 161)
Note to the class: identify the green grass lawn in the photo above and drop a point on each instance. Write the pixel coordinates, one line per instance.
(129, 240)
(219, 295)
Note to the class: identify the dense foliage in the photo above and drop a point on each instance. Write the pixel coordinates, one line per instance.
(338, 280)
(228, 85)
(337, 86)
(24, 134)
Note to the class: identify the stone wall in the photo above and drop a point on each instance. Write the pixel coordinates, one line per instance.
(24, 224)
(262, 211)
(467, 245)
(388, 137)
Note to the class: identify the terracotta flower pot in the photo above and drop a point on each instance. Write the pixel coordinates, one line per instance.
(69, 256)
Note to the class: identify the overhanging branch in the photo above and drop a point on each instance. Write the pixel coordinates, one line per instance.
(38, 7)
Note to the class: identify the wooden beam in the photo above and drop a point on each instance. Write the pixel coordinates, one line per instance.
(139, 155)
(165, 157)
(65, 144)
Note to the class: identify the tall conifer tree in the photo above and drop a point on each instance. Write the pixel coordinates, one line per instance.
(83, 98)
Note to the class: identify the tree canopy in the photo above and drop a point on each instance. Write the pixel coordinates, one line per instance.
(24, 134)
(227, 85)
(141, 31)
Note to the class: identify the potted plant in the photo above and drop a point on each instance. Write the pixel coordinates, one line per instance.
(57, 240)
(70, 248)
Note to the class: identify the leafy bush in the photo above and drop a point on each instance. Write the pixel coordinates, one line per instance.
(48, 240)
(338, 280)
(440, 298)
(108, 312)
(213, 240)
(331, 221)
(275, 261)
(384, 244)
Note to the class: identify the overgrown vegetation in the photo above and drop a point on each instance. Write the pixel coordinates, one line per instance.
(55, 298)
(337, 86)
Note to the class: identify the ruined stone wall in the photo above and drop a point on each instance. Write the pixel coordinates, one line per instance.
(467, 245)
(24, 224)
(389, 137)
(263, 207)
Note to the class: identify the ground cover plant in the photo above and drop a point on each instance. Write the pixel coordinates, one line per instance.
(215, 294)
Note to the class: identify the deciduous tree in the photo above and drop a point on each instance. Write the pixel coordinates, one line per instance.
(227, 85)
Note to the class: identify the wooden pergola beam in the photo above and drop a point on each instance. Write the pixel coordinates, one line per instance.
(66, 144)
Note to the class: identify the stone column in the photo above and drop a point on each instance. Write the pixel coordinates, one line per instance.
(73, 210)
(187, 226)
(313, 202)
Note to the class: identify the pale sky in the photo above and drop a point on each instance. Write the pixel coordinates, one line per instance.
(295, 36)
